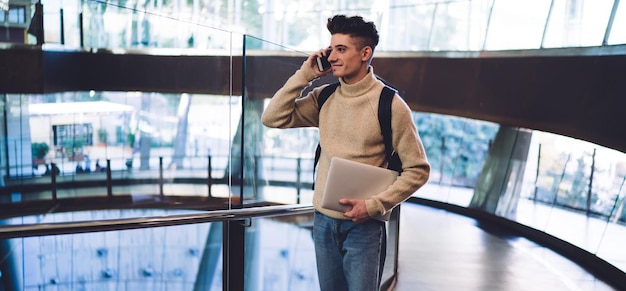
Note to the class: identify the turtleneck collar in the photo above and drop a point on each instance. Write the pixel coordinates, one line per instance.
(361, 87)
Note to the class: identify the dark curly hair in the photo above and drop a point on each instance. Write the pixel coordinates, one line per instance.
(354, 26)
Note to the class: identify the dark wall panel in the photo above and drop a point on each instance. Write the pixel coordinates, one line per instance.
(130, 72)
(21, 70)
(580, 96)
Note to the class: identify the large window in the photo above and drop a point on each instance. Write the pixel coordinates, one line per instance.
(14, 15)
(404, 25)
(70, 139)
(72, 133)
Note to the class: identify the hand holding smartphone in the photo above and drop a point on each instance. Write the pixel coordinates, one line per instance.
(322, 63)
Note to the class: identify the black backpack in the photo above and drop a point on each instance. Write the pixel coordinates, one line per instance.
(384, 119)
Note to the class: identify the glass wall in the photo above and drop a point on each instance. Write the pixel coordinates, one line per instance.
(564, 180)
(404, 25)
(153, 137)
(134, 134)
(159, 138)
(568, 188)
(618, 29)
(180, 257)
(274, 155)
(164, 258)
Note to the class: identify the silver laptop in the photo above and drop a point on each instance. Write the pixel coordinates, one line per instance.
(354, 180)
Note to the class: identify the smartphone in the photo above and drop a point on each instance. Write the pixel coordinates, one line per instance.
(322, 63)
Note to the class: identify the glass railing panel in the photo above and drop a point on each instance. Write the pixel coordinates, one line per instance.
(577, 23)
(84, 138)
(17, 132)
(274, 156)
(106, 26)
(278, 167)
(516, 25)
(612, 237)
(618, 29)
(456, 149)
(571, 189)
(108, 143)
(149, 255)
(280, 254)
(574, 191)
(285, 155)
(164, 258)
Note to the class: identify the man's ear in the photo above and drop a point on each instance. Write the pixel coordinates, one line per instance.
(366, 53)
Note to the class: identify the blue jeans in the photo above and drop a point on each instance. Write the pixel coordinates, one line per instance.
(350, 256)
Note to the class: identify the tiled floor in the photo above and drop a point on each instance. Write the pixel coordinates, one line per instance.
(440, 250)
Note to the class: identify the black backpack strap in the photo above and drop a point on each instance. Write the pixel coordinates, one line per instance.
(384, 118)
(321, 99)
(325, 94)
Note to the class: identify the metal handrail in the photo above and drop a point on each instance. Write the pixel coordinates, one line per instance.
(42, 229)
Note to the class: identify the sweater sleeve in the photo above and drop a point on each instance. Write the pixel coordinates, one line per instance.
(415, 167)
(286, 109)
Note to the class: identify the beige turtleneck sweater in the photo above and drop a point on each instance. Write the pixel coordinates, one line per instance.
(348, 127)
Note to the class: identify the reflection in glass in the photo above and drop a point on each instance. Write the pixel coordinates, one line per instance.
(280, 256)
(456, 149)
(274, 155)
(164, 258)
(186, 257)
(406, 26)
(618, 29)
(571, 189)
(577, 175)
(574, 191)
(133, 134)
(516, 25)
(577, 23)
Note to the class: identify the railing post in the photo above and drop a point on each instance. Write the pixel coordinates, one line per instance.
(62, 28)
(298, 170)
(537, 173)
(11, 261)
(209, 180)
(80, 30)
(442, 150)
(233, 247)
(255, 177)
(590, 182)
(393, 245)
(53, 180)
(161, 176)
(109, 180)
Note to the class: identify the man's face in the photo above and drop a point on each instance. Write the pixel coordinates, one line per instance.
(349, 61)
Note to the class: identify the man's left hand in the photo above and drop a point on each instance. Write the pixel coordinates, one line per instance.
(358, 212)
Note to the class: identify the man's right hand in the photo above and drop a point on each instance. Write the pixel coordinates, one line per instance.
(313, 62)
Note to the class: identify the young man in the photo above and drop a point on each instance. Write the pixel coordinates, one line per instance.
(350, 247)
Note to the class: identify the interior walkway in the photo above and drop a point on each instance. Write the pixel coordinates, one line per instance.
(440, 250)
